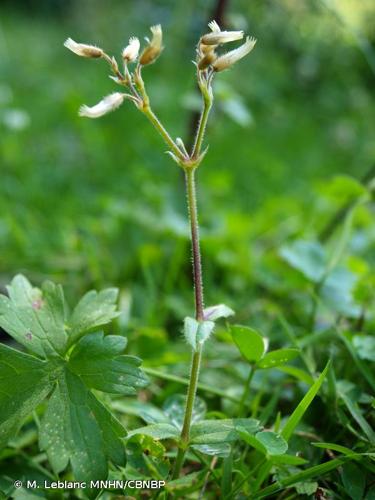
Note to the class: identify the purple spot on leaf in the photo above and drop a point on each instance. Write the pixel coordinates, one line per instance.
(29, 336)
(37, 304)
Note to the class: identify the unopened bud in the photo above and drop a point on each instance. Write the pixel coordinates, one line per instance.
(207, 60)
(206, 49)
(217, 36)
(106, 105)
(227, 60)
(83, 50)
(130, 52)
(154, 47)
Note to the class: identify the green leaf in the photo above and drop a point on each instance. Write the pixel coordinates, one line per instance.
(343, 189)
(76, 428)
(337, 292)
(151, 414)
(348, 392)
(215, 450)
(157, 431)
(306, 488)
(308, 257)
(288, 460)
(24, 383)
(35, 318)
(94, 310)
(184, 482)
(174, 409)
(266, 442)
(274, 443)
(317, 471)
(335, 447)
(354, 481)
(252, 441)
(101, 364)
(277, 358)
(364, 346)
(299, 374)
(221, 431)
(216, 312)
(250, 343)
(303, 405)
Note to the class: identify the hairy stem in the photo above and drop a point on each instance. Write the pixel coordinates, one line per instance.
(199, 306)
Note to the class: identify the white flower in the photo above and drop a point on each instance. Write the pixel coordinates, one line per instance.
(83, 50)
(130, 52)
(230, 58)
(217, 36)
(106, 105)
(154, 47)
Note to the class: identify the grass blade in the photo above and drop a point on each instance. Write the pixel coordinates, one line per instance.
(302, 407)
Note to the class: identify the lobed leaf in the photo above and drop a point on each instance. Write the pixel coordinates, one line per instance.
(35, 318)
(94, 310)
(24, 383)
(101, 364)
(76, 428)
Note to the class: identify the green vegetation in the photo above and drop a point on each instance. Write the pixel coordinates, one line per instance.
(285, 396)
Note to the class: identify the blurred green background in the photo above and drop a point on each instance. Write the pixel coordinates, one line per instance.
(96, 203)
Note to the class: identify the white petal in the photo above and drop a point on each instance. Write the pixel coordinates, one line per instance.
(218, 37)
(82, 49)
(130, 52)
(230, 58)
(106, 105)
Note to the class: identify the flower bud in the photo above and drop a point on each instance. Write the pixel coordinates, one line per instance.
(130, 52)
(206, 49)
(217, 36)
(154, 47)
(207, 60)
(227, 60)
(106, 105)
(82, 49)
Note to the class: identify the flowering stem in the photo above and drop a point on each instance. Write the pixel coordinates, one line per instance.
(199, 306)
(145, 107)
(162, 131)
(207, 103)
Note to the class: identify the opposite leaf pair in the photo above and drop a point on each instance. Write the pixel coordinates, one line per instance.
(76, 427)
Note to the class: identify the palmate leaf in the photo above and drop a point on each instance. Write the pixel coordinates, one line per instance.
(24, 382)
(93, 311)
(101, 364)
(76, 428)
(35, 318)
